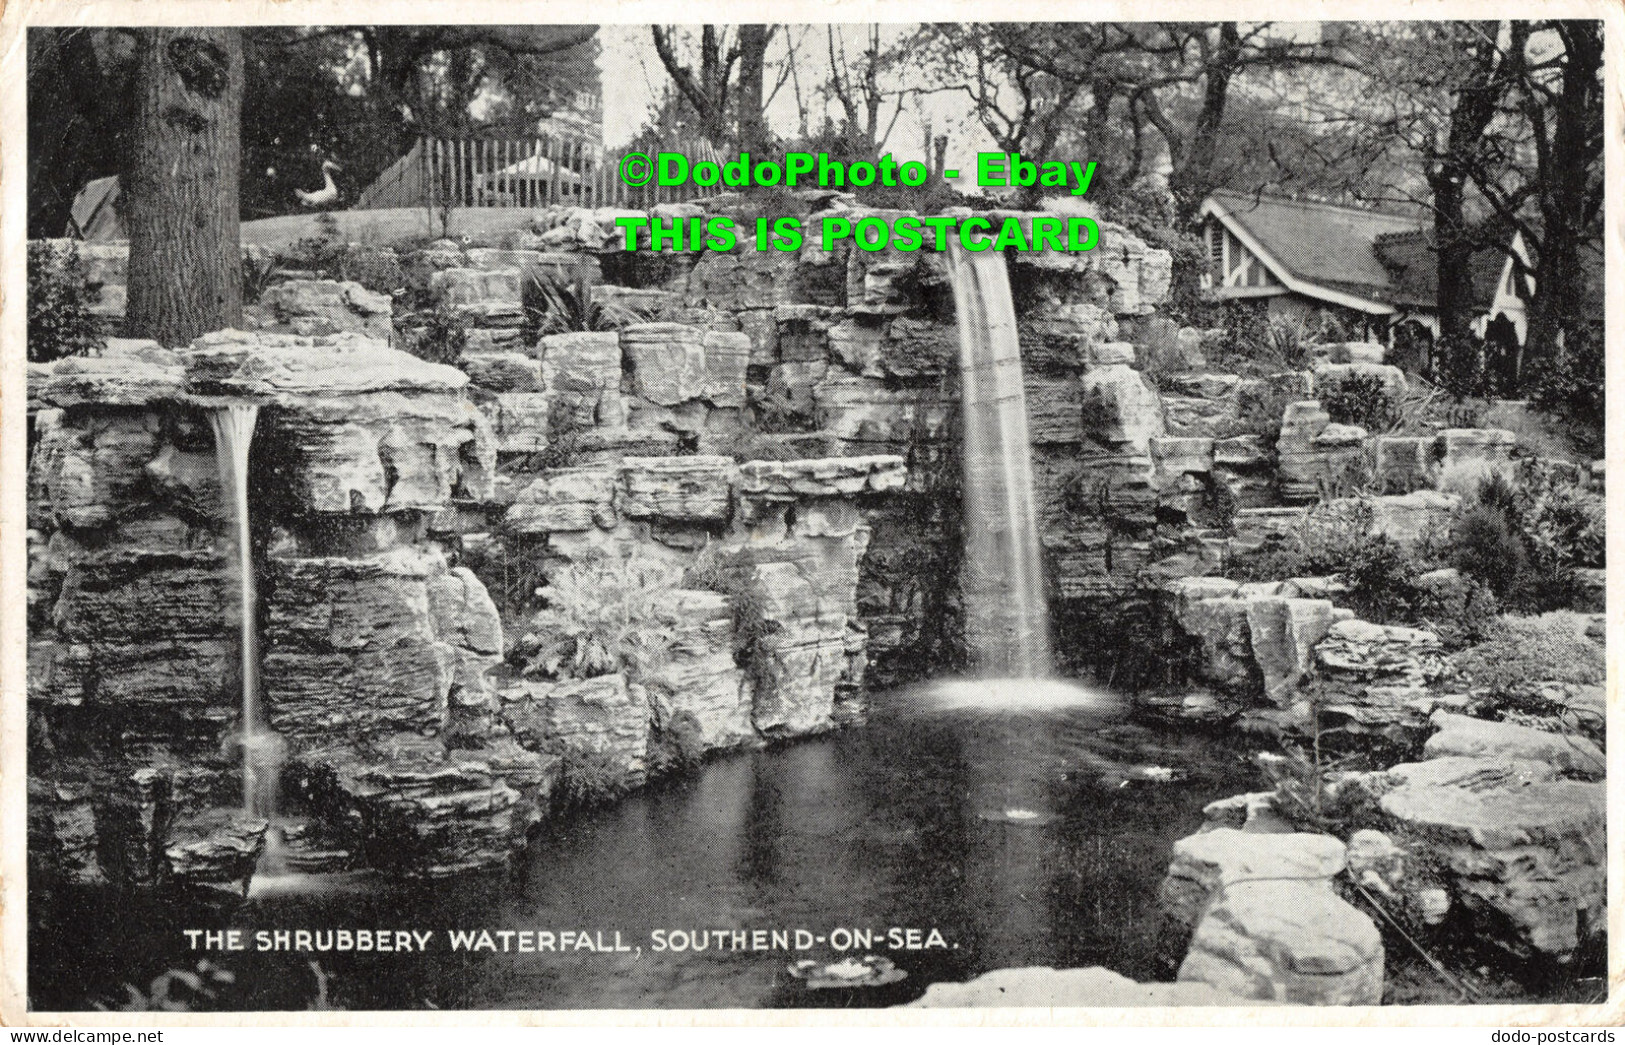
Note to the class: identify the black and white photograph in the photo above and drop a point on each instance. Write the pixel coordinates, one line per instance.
(1067, 515)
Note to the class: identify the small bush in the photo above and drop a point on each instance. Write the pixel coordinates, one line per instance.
(1524, 539)
(1382, 582)
(1549, 648)
(1571, 383)
(589, 778)
(1461, 614)
(1487, 549)
(605, 615)
(379, 271)
(1364, 400)
(60, 294)
(322, 253)
(441, 336)
(1460, 366)
(1289, 344)
(552, 309)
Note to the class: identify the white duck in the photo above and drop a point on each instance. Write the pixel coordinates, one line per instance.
(328, 193)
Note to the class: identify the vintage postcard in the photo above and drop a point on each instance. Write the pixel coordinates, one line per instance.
(1106, 512)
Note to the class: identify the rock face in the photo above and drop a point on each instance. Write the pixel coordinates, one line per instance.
(1047, 988)
(313, 307)
(602, 717)
(1291, 942)
(1377, 679)
(1524, 863)
(1460, 735)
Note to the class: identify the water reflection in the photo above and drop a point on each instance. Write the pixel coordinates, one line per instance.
(917, 821)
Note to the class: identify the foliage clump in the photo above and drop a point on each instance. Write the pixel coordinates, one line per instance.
(1524, 538)
(603, 615)
(439, 335)
(1551, 647)
(60, 322)
(1363, 400)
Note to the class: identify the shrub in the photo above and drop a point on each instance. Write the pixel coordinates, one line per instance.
(1460, 365)
(322, 253)
(60, 294)
(1565, 522)
(1551, 647)
(378, 270)
(553, 309)
(589, 778)
(441, 336)
(1289, 344)
(1525, 539)
(1364, 400)
(604, 615)
(1461, 614)
(1382, 582)
(1489, 550)
(1571, 383)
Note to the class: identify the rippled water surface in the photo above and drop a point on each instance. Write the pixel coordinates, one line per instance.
(1027, 823)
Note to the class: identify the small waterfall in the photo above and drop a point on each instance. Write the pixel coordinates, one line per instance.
(261, 747)
(1006, 618)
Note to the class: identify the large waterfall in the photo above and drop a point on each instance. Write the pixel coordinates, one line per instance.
(261, 747)
(1006, 617)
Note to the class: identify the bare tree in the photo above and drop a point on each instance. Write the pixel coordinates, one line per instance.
(856, 84)
(729, 104)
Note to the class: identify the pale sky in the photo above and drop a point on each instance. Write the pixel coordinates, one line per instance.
(633, 80)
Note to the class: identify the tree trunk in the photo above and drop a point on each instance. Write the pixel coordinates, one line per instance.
(1566, 203)
(752, 64)
(180, 185)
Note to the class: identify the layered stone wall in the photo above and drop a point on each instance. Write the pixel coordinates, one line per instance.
(408, 746)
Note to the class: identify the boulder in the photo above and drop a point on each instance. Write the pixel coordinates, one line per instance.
(1377, 678)
(1283, 633)
(418, 812)
(667, 361)
(1461, 735)
(726, 355)
(563, 500)
(313, 307)
(1120, 409)
(500, 371)
(583, 369)
(1207, 865)
(1526, 864)
(126, 372)
(603, 718)
(215, 848)
(822, 477)
(351, 646)
(1284, 941)
(797, 653)
(701, 680)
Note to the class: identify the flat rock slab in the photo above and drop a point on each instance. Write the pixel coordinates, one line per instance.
(1205, 862)
(1525, 862)
(1048, 988)
(1481, 738)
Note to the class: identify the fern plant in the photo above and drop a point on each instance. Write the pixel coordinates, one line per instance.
(604, 615)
